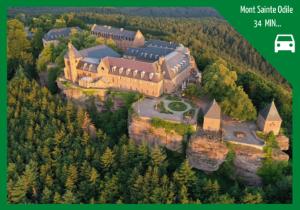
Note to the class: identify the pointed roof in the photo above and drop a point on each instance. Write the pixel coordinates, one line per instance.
(75, 51)
(213, 110)
(270, 113)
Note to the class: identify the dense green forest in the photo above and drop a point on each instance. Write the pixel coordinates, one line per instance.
(51, 159)
(140, 11)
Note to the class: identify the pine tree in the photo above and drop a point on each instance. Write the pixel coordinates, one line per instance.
(57, 198)
(252, 198)
(72, 177)
(157, 156)
(183, 195)
(69, 197)
(46, 195)
(94, 176)
(184, 175)
(18, 193)
(107, 158)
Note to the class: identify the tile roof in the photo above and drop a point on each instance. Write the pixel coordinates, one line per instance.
(270, 113)
(133, 68)
(213, 110)
(147, 53)
(174, 63)
(161, 44)
(87, 66)
(113, 31)
(96, 52)
(57, 33)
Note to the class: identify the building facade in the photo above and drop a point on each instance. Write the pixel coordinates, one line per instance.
(101, 67)
(269, 119)
(123, 38)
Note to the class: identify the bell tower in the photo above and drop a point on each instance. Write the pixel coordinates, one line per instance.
(74, 57)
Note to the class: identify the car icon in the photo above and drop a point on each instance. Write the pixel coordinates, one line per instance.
(284, 42)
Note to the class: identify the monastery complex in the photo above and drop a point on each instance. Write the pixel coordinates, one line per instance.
(151, 67)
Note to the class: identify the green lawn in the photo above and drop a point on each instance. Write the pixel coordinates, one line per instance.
(177, 106)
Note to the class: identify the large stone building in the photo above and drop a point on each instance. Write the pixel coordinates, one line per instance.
(212, 117)
(153, 70)
(123, 38)
(269, 119)
(53, 36)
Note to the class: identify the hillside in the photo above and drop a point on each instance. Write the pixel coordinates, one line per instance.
(138, 11)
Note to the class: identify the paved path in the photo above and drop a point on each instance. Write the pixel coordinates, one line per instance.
(230, 127)
(145, 108)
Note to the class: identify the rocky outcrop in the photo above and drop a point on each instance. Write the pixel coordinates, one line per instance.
(279, 155)
(88, 126)
(206, 153)
(283, 142)
(247, 161)
(141, 130)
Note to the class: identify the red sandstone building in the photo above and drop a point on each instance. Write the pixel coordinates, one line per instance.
(123, 38)
(155, 68)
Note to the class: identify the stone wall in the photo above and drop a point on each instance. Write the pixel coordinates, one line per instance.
(148, 88)
(211, 124)
(268, 126)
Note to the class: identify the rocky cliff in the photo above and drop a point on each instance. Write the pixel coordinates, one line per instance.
(283, 142)
(206, 153)
(141, 130)
(248, 160)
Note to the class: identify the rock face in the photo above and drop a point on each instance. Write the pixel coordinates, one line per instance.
(247, 161)
(206, 153)
(283, 142)
(141, 130)
(279, 155)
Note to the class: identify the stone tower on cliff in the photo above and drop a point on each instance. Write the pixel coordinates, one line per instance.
(269, 119)
(212, 117)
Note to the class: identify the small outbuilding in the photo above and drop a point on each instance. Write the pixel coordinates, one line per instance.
(212, 117)
(269, 119)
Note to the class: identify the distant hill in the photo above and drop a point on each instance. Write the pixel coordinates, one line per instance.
(196, 12)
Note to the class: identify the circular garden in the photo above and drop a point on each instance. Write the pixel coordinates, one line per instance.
(177, 106)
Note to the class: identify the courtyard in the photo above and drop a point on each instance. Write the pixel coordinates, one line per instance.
(241, 132)
(167, 108)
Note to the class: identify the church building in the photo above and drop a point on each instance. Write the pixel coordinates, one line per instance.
(150, 70)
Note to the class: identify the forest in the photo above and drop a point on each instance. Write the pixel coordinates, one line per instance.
(52, 159)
